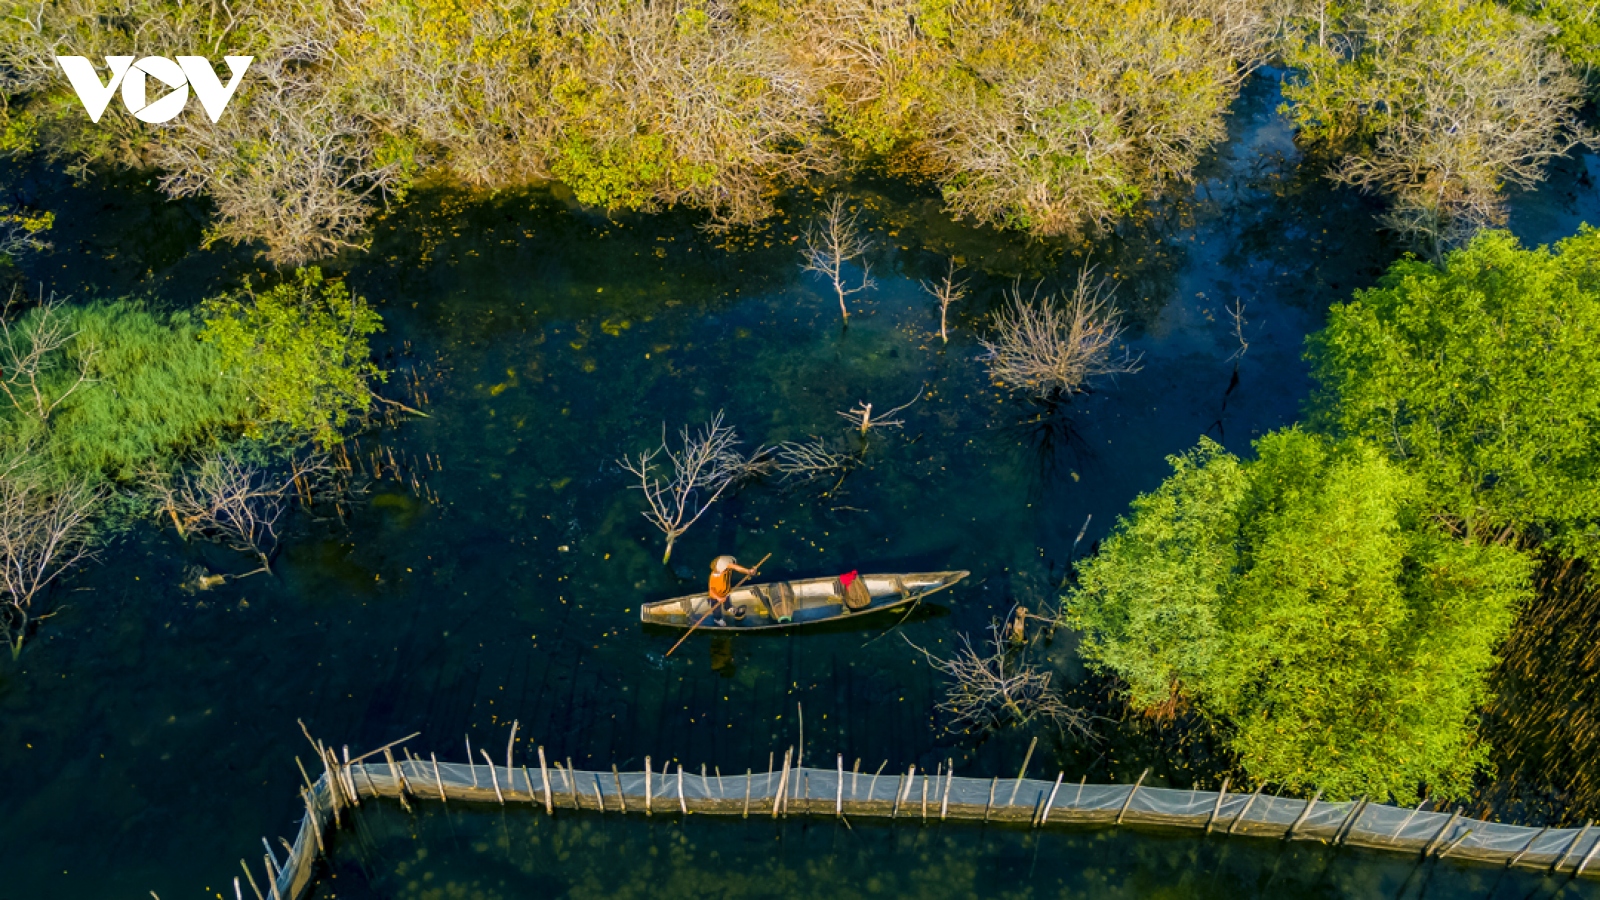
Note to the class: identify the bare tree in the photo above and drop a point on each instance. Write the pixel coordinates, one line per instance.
(947, 291)
(1237, 320)
(989, 690)
(32, 345)
(234, 502)
(833, 241)
(44, 530)
(861, 415)
(1050, 348)
(680, 485)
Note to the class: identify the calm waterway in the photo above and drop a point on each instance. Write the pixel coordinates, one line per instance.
(148, 735)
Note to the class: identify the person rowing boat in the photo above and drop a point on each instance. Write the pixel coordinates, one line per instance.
(721, 585)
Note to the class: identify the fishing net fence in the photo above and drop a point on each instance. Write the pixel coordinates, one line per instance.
(912, 794)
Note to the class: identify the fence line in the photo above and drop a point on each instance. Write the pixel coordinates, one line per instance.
(786, 790)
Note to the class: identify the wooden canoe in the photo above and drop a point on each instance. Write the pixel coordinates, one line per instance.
(808, 601)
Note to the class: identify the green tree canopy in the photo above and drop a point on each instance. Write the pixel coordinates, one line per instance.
(300, 350)
(1480, 375)
(1306, 602)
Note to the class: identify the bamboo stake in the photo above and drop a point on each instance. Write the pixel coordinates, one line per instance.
(355, 797)
(682, 804)
(572, 786)
(470, 763)
(1023, 771)
(1044, 818)
(1077, 801)
(510, 745)
(838, 794)
(1449, 823)
(272, 886)
(1587, 857)
(705, 786)
(599, 795)
(1351, 820)
(437, 781)
(855, 778)
(622, 801)
(493, 777)
(544, 780)
(248, 876)
(872, 789)
(1306, 811)
(949, 776)
(1129, 801)
(1455, 843)
(648, 810)
(1396, 836)
(1221, 795)
(749, 777)
(1528, 846)
(1245, 811)
(316, 827)
(990, 805)
(398, 777)
(1556, 867)
(783, 786)
(924, 796)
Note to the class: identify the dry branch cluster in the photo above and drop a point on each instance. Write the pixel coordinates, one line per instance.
(680, 483)
(45, 529)
(235, 502)
(997, 687)
(1049, 347)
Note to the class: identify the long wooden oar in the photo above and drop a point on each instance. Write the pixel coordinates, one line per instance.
(754, 569)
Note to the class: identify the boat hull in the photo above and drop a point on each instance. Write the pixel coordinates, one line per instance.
(812, 601)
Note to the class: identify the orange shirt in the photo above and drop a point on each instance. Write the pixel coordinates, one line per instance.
(721, 583)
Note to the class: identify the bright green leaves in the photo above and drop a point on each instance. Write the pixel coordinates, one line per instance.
(1306, 601)
(300, 351)
(1480, 376)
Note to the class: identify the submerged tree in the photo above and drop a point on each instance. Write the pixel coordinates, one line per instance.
(831, 243)
(679, 485)
(946, 291)
(1438, 104)
(300, 349)
(233, 501)
(998, 687)
(1306, 599)
(45, 529)
(1050, 348)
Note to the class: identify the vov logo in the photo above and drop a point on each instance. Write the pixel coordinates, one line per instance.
(187, 72)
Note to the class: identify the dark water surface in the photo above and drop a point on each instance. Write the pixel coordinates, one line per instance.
(148, 735)
(477, 853)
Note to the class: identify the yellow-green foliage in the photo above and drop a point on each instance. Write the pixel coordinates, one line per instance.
(1306, 602)
(299, 351)
(153, 392)
(1577, 30)
(1043, 116)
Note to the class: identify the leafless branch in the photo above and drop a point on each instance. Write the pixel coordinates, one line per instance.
(44, 530)
(1049, 348)
(806, 460)
(680, 485)
(1237, 320)
(32, 345)
(947, 291)
(831, 242)
(861, 415)
(234, 502)
(987, 691)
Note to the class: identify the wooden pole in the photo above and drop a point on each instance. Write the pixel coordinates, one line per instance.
(470, 763)
(749, 777)
(682, 804)
(1351, 820)
(437, 781)
(1439, 836)
(1044, 818)
(924, 796)
(714, 606)
(949, 776)
(511, 744)
(1221, 795)
(1587, 857)
(1576, 839)
(1077, 800)
(993, 782)
(622, 801)
(599, 795)
(1304, 812)
(1129, 800)
(838, 794)
(855, 778)
(1455, 843)
(648, 802)
(777, 795)
(1528, 846)
(250, 877)
(1396, 836)
(311, 816)
(1245, 811)
(872, 789)
(899, 789)
(572, 786)
(399, 781)
(493, 777)
(272, 882)
(544, 779)
(1023, 771)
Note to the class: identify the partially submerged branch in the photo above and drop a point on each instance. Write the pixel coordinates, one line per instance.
(234, 502)
(989, 690)
(1050, 348)
(947, 291)
(679, 485)
(831, 242)
(44, 530)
